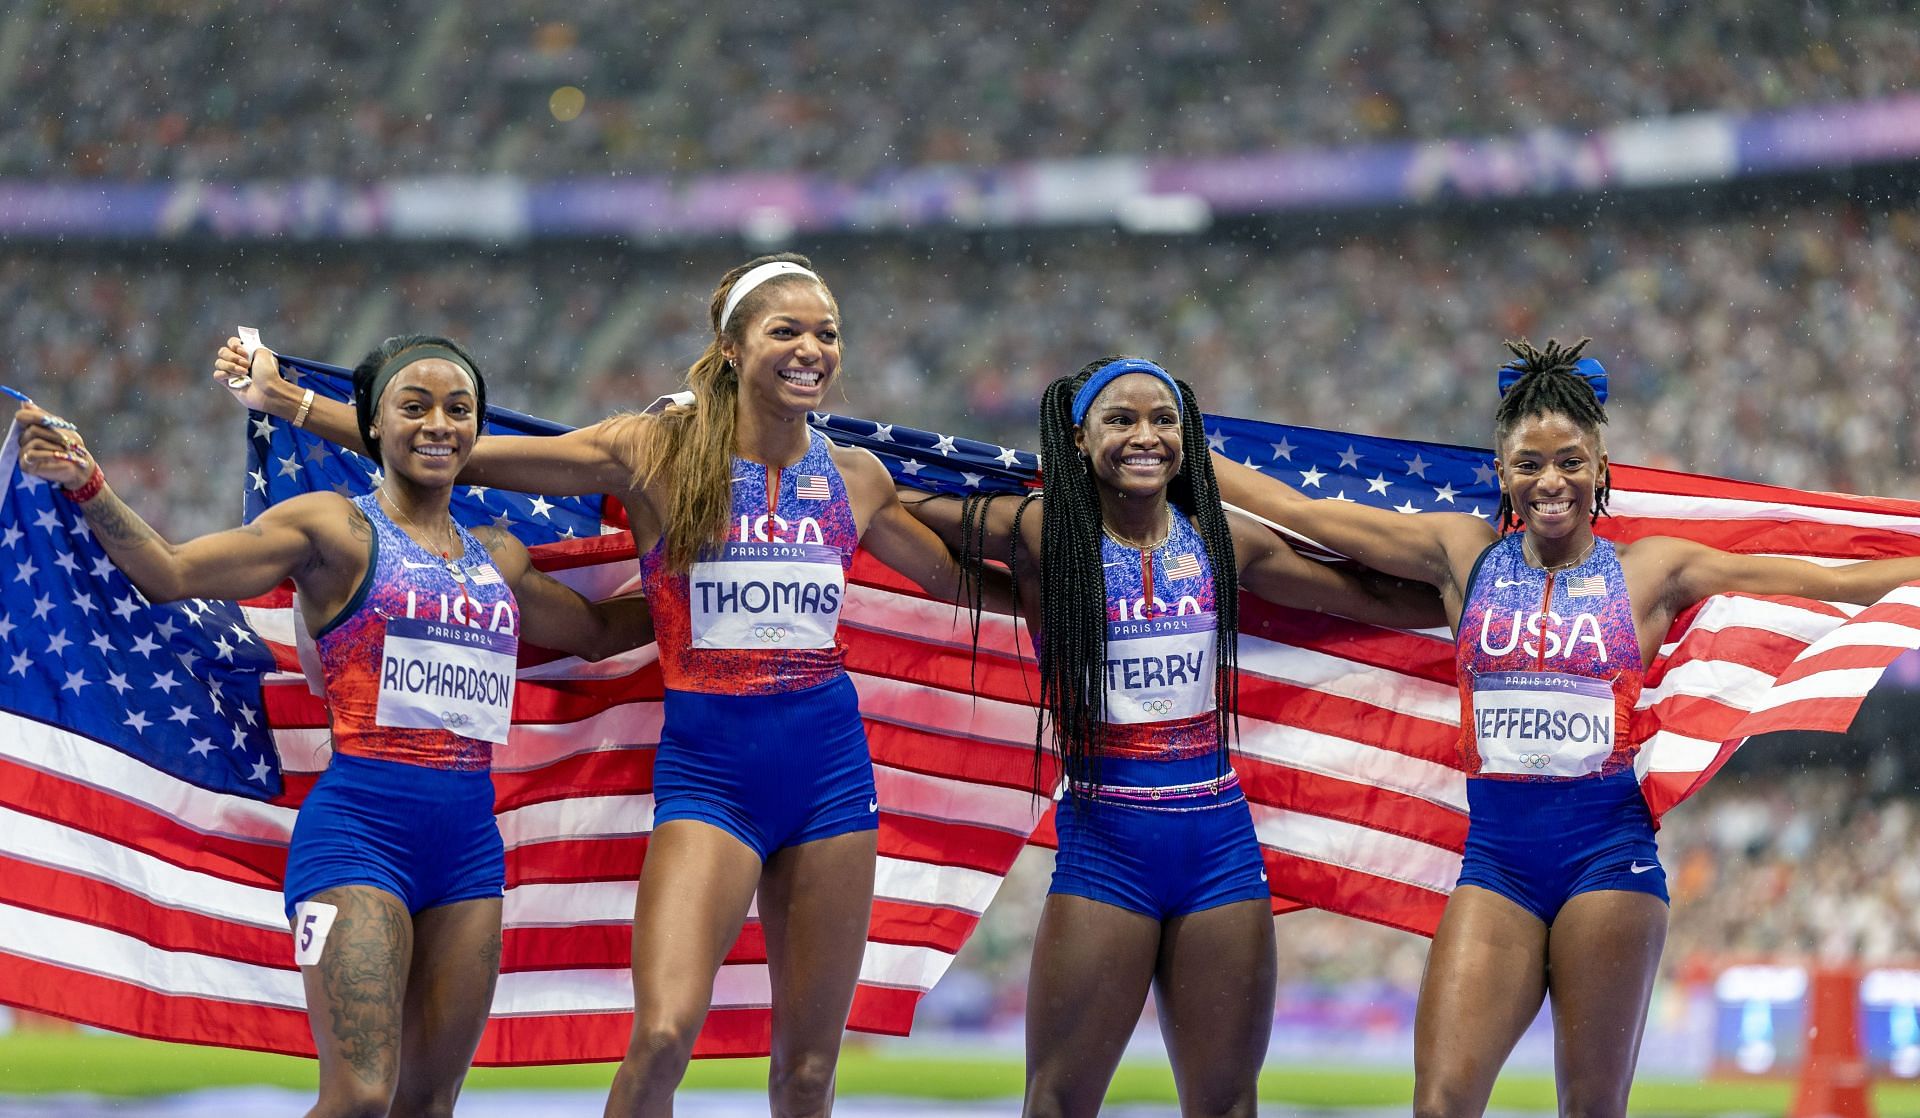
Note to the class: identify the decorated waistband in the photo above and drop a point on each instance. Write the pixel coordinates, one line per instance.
(1169, 794)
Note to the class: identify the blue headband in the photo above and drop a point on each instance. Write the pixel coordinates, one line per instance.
(1112, 371)
(1587, 369)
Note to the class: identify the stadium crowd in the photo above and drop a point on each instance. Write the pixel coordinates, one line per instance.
(217, 89)
(1770, 346)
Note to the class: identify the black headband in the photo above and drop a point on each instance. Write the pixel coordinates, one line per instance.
(392, 366)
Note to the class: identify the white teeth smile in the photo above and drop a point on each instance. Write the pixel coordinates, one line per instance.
(1553, 508)
(434, 451)
(1141, 460)
(806, 378)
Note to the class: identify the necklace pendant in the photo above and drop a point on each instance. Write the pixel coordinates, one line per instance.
(458, 574)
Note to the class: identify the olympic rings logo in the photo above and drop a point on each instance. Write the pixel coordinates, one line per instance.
(770, 634)
(1536, 760)
(454, 720)
(1157, 706)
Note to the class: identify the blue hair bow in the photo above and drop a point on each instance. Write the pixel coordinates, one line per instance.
(1587, 369)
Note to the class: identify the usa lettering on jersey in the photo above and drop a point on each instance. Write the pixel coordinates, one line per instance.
(770, 527)
(1137, 609)
(1543, 635)
(458, 609)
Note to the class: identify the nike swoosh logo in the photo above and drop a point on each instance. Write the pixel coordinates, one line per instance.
(413, 566)
(1638, 868)
(873, 805)
(1503, 583)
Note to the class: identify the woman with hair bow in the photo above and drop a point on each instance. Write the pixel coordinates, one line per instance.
(1561, 892)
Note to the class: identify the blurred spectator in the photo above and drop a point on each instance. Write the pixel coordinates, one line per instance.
(294, 88)
(1767, 346)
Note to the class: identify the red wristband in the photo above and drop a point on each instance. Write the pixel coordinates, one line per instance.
(96, 481)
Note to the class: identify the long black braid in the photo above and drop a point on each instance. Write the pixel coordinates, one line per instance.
(972, 553)
(1548, 385)
(1073, 587)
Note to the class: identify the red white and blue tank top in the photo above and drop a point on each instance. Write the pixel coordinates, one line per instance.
(760, 614)
(419, 666)
(1162, 656)
(1548, 665)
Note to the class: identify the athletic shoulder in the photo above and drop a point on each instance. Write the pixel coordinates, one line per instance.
(858, 465)
(504, 548)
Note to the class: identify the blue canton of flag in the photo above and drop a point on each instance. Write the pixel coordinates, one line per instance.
(1392, 474)
(284, 461)
(1396, 474)
(176, 686)
(932, 461)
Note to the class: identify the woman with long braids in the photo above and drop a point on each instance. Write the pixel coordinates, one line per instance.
(1159, 881)
(1561, 892)
(746, 521)
(395, 869)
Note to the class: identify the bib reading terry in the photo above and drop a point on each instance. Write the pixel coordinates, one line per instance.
(1160, 668)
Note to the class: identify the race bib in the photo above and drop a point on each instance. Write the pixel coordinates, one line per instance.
(1160, 668)
(440, 676)
(767, 595)
(1542, 723)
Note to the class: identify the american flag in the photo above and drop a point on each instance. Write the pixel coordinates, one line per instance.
(812, 487)
(1184, 565)
(141, 883)
(1585, 586)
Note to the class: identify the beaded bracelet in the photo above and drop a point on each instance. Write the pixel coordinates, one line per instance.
(96, 481)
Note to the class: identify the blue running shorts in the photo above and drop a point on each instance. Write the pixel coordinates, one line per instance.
(1540, 843)
(771, 770)
(425, 835)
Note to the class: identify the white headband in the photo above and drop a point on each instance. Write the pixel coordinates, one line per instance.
(754, 278)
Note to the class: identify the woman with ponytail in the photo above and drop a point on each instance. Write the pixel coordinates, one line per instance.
(1561, 891)
(1159, 881)
(746, 521)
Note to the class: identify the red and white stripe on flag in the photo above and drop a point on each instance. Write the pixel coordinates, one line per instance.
(134, 901)
(131, 900)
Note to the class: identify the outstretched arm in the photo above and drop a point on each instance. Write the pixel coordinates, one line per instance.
(578, 463)
(238, 563)
(1688, 572)
(1272, 570)
(902, 541)
(1424, 547)
(554, 615)
(990, 531)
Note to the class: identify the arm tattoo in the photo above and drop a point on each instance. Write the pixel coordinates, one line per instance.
(490, 537)
(116, 523)
(359, 525)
